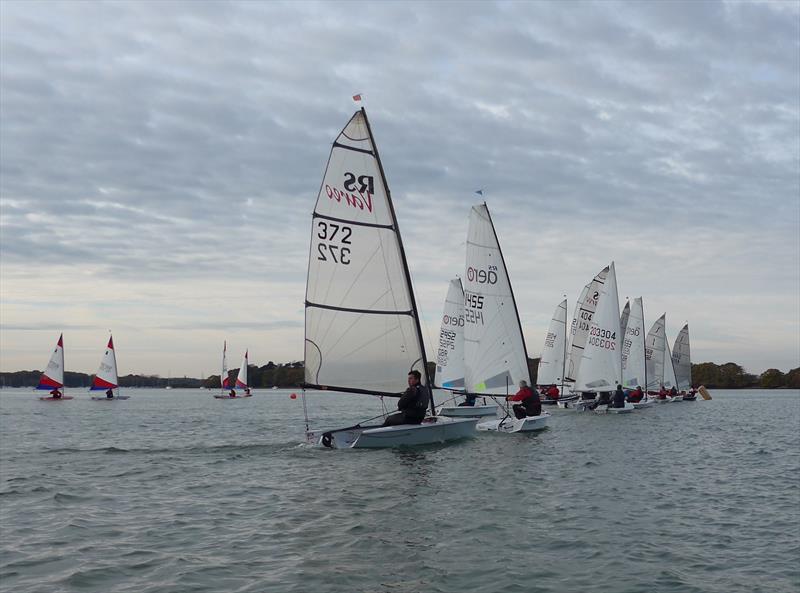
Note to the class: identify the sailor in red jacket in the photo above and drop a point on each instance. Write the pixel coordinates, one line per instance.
(553, 392)
(530, 404)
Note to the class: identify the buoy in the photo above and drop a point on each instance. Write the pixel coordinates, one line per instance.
(293, 396)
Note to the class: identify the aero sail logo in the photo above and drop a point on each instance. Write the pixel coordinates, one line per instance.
(358, 191)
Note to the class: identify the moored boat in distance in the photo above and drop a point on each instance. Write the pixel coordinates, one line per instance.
(362, 330)
(52, 378)
(107, 378)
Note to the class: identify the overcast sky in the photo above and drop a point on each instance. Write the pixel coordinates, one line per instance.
(160, 162)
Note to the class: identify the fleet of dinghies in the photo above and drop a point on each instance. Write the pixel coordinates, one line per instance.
(362, 328)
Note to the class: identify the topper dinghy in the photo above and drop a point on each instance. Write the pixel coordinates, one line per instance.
(226, 391)
(362, 330)
(106, 378)
(52, 378)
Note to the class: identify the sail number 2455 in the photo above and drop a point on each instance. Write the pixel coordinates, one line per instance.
(337, 236)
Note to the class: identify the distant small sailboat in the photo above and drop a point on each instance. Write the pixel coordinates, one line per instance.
(106, 378)
(634, 368)
(552, 364)
(241, 380)
(52, 378)
(581, 322)
(226, 391)
(682, 363)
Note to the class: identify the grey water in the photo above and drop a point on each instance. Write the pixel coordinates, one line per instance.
(174, 491)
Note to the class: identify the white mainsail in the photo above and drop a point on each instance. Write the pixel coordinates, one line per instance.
(585, 308)
(601, 367)
(361, 329)
(655, 351)
(224, 380)
(495, 358)
(106, 377)
(551, 364)
(682, 360)
(53, 375)
(623, 319)
(669, 370)
(450, 354)
(241, 380)
(633, 347)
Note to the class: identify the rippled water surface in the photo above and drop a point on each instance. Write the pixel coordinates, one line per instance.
(173, 491)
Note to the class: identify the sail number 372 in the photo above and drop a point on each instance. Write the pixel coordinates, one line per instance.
(336, 237)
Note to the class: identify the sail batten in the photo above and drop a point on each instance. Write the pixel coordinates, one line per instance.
(362, 326)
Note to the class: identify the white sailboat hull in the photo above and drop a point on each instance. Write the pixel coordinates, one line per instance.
(607, 409)
(645, 403)
(468, 411)
(432, 431)
(99, 398)
(508, 424)
(677, 398)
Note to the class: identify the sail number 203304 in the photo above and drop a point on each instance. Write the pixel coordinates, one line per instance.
(336, 237)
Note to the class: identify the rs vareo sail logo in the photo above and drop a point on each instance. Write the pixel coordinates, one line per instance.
(357, 191)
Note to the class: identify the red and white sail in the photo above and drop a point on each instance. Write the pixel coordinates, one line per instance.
(106, 377)
(241, 380)
(53, 376)
(225, 381)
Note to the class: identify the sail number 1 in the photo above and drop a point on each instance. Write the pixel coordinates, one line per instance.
(333, 234)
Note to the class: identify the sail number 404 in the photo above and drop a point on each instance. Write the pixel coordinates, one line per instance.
(337, 236)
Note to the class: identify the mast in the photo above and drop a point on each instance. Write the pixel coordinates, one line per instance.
(511, 289)
(564, 358)
(428, 382)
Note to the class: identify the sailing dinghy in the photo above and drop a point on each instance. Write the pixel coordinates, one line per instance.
(52, 379)
(241, 380)
(106, 378)
(362, 330)
(224, 379)
(579, 332)
(655, 357)
(634, 369)
(670, 380)
(600, 370)
(552, 364)
(682, 363)
(450, 358)
(495, 359)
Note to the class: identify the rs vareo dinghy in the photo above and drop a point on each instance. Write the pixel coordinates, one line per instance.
(362, 330)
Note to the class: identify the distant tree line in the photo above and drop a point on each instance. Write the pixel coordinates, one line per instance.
(714, 376)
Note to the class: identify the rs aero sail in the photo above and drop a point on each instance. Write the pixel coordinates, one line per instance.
(362, 331)
(495, 357)
(450, 359)
(106, 378)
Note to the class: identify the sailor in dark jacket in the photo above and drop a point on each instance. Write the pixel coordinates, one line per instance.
(619, 397)
(413, 404)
